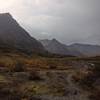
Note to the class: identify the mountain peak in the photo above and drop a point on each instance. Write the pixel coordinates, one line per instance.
(54, 39)
(55, 47)
(14, 36)
(5, 14)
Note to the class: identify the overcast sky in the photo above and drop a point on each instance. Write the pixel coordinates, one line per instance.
(69, 21)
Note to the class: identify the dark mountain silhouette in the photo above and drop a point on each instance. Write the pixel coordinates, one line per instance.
(12, 35)
(54, 46)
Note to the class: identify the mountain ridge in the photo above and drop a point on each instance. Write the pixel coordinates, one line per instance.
(13, 35)
(75, 49)
(86, 49)
(54, 46)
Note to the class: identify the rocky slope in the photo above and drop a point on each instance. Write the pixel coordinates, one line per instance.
(12, 35)
(54, 46)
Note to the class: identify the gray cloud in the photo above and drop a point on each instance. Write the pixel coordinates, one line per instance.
(67, 20)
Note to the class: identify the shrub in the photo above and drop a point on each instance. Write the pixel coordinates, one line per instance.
(19, 67)
(34, 76)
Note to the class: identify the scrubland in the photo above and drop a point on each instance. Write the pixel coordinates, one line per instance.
(24, 77)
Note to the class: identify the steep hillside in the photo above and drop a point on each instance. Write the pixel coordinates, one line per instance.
(12, 35)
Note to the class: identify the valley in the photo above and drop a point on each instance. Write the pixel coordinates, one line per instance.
(32, 69)
(42, 78)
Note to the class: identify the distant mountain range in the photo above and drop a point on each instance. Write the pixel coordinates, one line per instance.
(86, 49)
(76, 49)
(12, 35)
(54, 46)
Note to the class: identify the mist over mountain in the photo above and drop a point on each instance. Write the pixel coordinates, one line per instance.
(50, 50)
(76, 49)
(12, 35)
(86, 49)
(54, 46)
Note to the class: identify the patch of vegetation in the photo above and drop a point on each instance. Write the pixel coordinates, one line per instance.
(20, 78)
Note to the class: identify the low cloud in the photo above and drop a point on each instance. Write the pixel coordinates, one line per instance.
(67, 20)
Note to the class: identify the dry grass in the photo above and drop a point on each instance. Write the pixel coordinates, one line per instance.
(23, 65)
(36, 62)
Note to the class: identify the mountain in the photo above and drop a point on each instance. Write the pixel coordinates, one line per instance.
(86, 49)
(12, 35)
(75, 49)
(54, 46)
